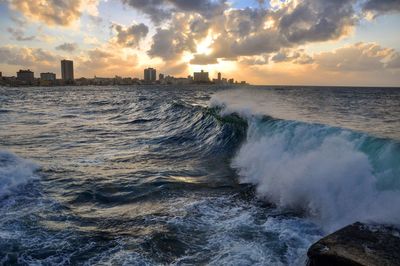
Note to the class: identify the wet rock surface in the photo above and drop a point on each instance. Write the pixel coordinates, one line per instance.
(357, 244)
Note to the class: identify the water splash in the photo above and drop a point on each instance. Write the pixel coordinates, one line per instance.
(334, 175)
(14, 172)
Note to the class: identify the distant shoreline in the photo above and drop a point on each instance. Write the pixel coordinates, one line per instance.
(207, 84)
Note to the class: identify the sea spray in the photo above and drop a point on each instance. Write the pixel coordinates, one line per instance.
(14, 172)
(333, 175)
(132, 171)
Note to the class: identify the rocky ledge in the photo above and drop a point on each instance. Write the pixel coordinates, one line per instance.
(357, 245)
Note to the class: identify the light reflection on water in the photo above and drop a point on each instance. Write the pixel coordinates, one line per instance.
(141, 175)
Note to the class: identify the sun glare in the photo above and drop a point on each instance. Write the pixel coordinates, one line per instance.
(203, 47)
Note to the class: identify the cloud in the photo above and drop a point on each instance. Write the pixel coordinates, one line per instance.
(98, 61)
(296, 57)
(242, 22)
(202, 59)
(394, 61)
(19, 35)
(67, 47)
(360, 57)
(130, 36)
(26, 57)
(199, 27)
(255, 31)
(316, 20)
(159, 10)
(255, 60)
(54, 12)
(171, 43)
(378, 7)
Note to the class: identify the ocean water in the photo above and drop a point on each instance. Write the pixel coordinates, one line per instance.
(157, 175)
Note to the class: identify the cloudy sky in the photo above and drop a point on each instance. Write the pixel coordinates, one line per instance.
(314, 42)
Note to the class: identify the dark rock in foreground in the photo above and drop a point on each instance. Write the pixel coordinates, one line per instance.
(357, 244)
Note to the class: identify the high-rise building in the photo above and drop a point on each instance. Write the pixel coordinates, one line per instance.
(67, 70)
(25, 75)
(150, 75)
(161, 77)
(1, 74)
(201, 77)
(219, 76)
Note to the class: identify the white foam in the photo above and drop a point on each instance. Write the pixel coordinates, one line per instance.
(238, 235)
(14, 172)
(316, 169)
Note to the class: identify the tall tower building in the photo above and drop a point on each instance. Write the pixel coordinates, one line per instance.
(150, 75)
(67, 70)
(219, 76)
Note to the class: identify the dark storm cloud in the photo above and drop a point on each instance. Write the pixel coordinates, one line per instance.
(382, 6)
(243, 22)
(169, 44)
(172, 42)
(67, 47)
(244, 34)
(316, 20)
(199, 27)
(152, 8)
(132, 35)
(255, 31)
(159, 10)
(267, 42)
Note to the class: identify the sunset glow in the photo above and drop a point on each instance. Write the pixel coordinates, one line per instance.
(266, 42)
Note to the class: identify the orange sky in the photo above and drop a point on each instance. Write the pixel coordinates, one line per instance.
(293, 42)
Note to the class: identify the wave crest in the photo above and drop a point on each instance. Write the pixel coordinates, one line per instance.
(336, 176)
(14, 172)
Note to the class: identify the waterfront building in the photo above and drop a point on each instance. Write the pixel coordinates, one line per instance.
(67, 71)
(47, 79)
(161, 77)
(150, 75)
(201, 77)
(25, 75)
(219, 76)
(48, 76)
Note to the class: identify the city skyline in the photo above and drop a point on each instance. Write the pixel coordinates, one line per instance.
(26, 77)
(263, 42)
(68, 73)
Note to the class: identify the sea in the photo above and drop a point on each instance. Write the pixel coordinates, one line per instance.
(192, 175)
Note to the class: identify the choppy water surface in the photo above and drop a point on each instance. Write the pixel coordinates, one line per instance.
(199, 175)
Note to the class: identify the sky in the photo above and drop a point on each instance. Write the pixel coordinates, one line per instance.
(276, 42)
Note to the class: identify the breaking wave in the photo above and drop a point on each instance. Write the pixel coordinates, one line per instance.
(335, 176)
(14, 172)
